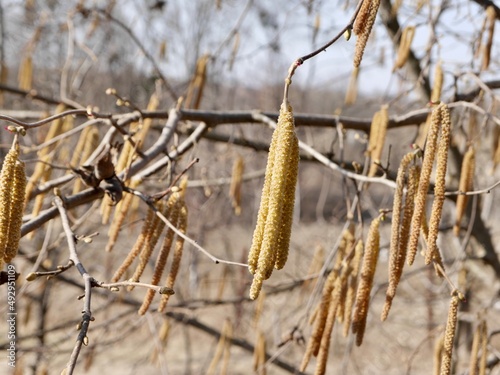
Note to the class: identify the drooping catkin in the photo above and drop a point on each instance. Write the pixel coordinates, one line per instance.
(8, 192)
(179, 244)
(477, 343)
(425, 175)
(16, 211)
(352, 285)
(438, 83)
(222, 345)
(235, 186)
(84, 148)
(25, 75)
(320, 321)
(439, 187)
(404, 47)
(197, 84)
(149, 243)
(491, 16)
(368, 269)
(466, 184)
(438, 354)
(136, 249)
(449, 334)
(378, 132)
(259, 354)
(352, 88)
(397, 249)
(172, 214)
(272, 233)
(484, 348)
(364, 31)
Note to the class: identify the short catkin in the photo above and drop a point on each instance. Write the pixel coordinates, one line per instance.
(376, 141)
(235, 186)
(368, 269)
(438, 83)
(274, 221)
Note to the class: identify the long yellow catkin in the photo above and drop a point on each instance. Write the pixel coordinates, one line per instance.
(136, 249)
(174, 268)
(353, 284)
(423, 186)
(439, 187)
(484, 348)
(272, 233)
(404, 47)
(365, 31)
(449, 334)
(6, 188)
(235, 186)
(466, 184)
(438, 353)
(491, 16)
(474, 352)
(365, 285)
(84, 148)
(320, 321)
(352, 88)
(397, 253)
(221, 348)
(172, 214)
(16, 211)
(25, 76)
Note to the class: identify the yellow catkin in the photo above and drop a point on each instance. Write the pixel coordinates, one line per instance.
(397, 253)
(259, 308)
(449, 335)
(438, 83)
(16, 211)
(6, 192)
(315, 266)
(172, 214)
(352, 88)
(368, 269)
(149, 243)
(423, 186)
(25, 76)
(437, 355)
(84, 148)
(439, 187)
(376, 141)
(319, 322)
(272, 233)
(466, 184)
(353, 284)
(259, 354)
(337, 301)
(197, 84)
(224, 338)
(174, 268)
(404, 47)
(365, 31)
(227, 348)
(491, 16)
(360, 23)
(484, 348)
(136, 249)
(474, 352)
(235, 186)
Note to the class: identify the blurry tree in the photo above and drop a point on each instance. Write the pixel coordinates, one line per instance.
(143, 129)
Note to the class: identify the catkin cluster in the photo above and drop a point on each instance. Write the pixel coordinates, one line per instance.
(402, 212)
(12, 190)
(271, 238)
(175, 211)
(336, 301)
(440, 127)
